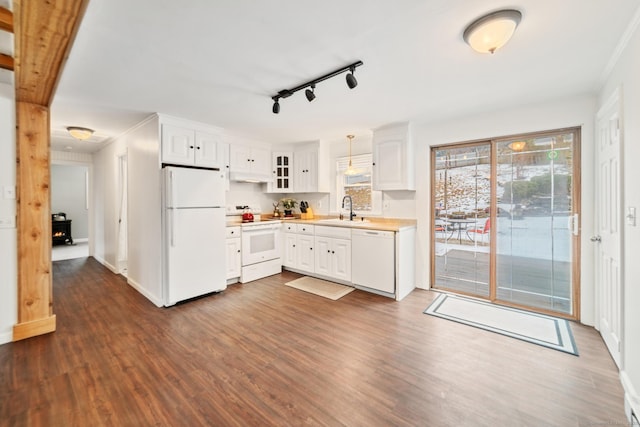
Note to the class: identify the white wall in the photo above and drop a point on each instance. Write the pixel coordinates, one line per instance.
(626, 76)
(578, 111)
(105, 212)
(8, 239)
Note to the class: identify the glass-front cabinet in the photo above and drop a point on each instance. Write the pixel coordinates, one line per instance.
(282, 172)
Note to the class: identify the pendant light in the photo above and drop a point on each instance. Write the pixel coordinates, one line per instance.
(351, 170)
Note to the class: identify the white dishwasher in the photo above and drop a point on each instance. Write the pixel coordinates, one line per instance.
(373, 260)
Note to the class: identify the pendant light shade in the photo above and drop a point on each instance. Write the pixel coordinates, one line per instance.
(490, 32)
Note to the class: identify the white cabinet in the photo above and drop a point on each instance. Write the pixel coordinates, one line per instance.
(289, 253)
(248, 163)
(233, 252)
(306, 171)
(393, 162)
(333, 252)
(183, 145)
(282, 172)
(299, 247)
(305, 246)
(308, 168)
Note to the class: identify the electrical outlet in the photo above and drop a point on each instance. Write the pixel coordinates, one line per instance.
(386, 204)
(319, 204)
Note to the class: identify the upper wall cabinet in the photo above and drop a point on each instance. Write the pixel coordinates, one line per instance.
(308, 168)
(393, 161)
(282, 171)
(249, 163)
(183, 145)
(305, 178)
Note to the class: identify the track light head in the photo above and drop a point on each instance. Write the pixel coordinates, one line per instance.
(276, 106)
(351, 79)
(310, 93)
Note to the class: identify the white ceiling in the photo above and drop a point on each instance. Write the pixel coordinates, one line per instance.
(219, 62)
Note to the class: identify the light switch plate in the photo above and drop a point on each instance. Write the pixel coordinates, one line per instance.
(7, 222)
(631, 216)
(9, 192)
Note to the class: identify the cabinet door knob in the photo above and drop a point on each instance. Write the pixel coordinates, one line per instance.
(198, 148)
(191, 146)
(333, 252)
(238, 250)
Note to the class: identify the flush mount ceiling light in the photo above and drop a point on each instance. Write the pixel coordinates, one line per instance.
(80, 132)
(490, 32)
(351, 170)
(310, 93)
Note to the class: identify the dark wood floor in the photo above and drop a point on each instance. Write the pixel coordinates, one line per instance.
(264, 354)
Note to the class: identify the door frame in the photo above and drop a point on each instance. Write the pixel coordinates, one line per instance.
(576, 191)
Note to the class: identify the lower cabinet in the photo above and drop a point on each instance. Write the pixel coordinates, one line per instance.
(234, 253)
(299, 248)
(382, 262)
(333, 258)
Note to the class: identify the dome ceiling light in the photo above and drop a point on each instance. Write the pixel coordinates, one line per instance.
(490, 32)
(80, 132)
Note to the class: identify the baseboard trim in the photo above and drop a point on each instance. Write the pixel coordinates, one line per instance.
(631, 397)
(34, 328)
(135, 285)
(106, 264)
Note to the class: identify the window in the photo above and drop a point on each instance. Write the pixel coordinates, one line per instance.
(366, 201)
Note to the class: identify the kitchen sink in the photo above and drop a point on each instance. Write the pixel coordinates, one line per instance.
(346, 222)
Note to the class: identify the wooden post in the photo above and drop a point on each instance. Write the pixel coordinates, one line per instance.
(44, 33)
(35, 299)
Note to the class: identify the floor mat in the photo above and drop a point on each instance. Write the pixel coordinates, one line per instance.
(536, 328)
(320, 287)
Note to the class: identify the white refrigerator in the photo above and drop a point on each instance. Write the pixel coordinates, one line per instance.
(194, 233)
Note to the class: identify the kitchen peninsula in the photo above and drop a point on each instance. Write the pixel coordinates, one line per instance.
(375, 255)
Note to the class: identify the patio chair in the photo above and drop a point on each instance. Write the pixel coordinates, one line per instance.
(441, 227)
(484, 231)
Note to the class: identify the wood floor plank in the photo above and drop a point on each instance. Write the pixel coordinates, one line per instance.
(263, 353)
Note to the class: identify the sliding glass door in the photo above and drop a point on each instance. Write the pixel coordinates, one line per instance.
(462, 199)
(506, 219)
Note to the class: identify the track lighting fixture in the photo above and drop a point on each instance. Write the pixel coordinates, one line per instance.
(309, 93)
(351, 79)
(310, 86)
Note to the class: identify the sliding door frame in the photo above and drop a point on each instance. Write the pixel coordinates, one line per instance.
(576, 200)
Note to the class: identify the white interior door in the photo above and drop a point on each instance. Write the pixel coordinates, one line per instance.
(608, 241)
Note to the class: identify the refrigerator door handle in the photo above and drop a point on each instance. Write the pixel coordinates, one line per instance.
(172, 227)
(171, 189)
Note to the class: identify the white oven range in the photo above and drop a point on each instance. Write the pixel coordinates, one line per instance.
(261, 248)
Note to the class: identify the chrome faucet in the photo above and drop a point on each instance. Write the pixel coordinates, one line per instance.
(351, 214)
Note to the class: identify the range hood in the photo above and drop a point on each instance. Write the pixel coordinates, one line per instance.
(249, 177)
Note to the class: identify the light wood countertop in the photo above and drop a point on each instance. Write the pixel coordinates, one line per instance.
(372, 223)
